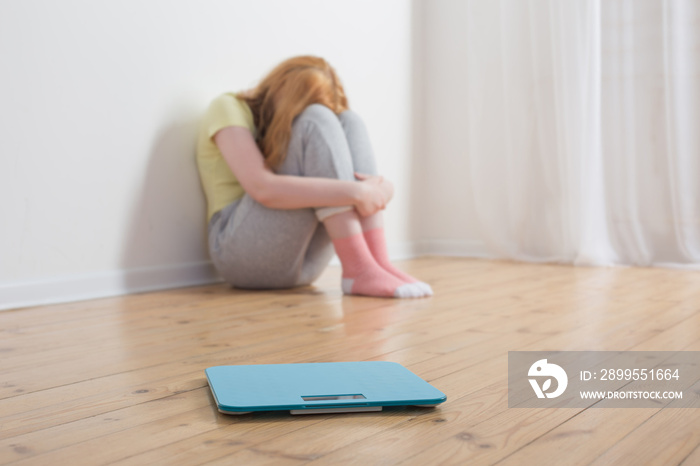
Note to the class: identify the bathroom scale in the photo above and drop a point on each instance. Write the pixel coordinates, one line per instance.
(315, 388)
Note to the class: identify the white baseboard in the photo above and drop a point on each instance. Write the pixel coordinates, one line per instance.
(121, 282)
(105, 284)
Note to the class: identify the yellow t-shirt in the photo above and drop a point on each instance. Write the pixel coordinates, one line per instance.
(221, 187)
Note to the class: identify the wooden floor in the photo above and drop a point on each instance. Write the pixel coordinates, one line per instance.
(121, 380)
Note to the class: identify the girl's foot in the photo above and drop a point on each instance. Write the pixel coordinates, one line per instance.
(363, 276)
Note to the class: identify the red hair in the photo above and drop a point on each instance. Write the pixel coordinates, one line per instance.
(283, 94)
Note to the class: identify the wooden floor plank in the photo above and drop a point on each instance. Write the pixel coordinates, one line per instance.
(120, 380)
(693, 457)
(678, 430)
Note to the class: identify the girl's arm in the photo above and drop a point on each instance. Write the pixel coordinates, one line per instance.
(295, 192)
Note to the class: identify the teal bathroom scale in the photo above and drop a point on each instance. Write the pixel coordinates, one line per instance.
(314, 388)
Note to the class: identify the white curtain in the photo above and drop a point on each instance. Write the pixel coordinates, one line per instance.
(584, 129)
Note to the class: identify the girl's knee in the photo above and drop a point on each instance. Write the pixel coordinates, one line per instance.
(319, 114)
(350, 117)
(317, 121)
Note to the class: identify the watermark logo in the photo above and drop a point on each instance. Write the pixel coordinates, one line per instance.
(603, 379)
(542, 368)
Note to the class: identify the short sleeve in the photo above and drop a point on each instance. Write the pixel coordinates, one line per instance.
(227, 110)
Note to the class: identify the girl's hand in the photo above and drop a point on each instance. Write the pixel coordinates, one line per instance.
(376, 194)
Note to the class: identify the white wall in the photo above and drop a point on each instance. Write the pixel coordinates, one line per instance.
(445, 220)
(99, 102)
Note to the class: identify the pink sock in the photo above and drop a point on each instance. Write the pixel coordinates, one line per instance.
(362, 275)
(377, 246)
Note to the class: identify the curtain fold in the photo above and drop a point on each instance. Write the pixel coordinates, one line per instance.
(583, 128)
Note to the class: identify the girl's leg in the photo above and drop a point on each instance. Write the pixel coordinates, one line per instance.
(373, 226)
(361, 273)
(255, 247)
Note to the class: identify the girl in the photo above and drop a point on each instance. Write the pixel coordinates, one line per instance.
(289, 174)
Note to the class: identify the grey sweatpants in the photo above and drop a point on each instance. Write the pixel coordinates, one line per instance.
(253, 246)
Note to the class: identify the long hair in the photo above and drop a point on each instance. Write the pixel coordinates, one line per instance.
(283, 94)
